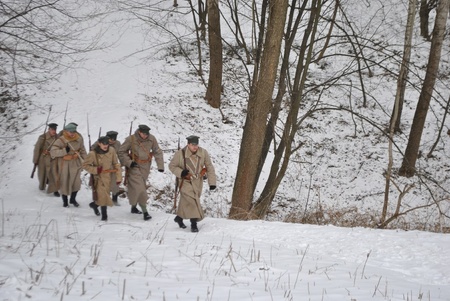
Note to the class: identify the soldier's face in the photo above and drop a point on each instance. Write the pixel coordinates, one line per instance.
(193, 147)
(52, 132)
(71, 134)
(143, 135)
(104, 147)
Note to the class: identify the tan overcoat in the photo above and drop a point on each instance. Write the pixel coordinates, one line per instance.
(41, 157)
(116, 146)
(111, 172)
(191, 190)
(67, 169)
(142, 151)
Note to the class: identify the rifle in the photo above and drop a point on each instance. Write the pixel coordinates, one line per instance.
(100, 132)
(127, 169)
(176, 186)
(65, 114)
(91, 176)
(43, 144)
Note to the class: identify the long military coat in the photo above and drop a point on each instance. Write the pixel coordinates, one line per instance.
(111, 172)
(41, 157)
(191, 190)
(142, 151)
(68, 166)
(116, 146)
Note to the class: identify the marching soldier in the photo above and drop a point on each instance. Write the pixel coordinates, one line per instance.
(103, 163)
(136, 155)
(113, 143)
(43, 161)
(190, 164)
(69, 152)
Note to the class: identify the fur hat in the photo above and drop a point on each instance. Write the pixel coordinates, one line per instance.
(71, 127)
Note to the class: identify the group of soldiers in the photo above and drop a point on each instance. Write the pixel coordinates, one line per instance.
(61, 157)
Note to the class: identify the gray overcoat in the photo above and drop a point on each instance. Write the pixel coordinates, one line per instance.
(41, 157)
(142, 151)
(191, 190)
(67, 169)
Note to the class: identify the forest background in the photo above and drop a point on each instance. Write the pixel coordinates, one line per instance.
(324, 112)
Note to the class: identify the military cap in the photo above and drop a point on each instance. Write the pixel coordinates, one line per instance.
(192, 139)
(103, 140)
(52, 126)
(112, 134)
(71, 127)
(144, 129)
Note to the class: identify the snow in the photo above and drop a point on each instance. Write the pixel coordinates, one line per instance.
(48, 252)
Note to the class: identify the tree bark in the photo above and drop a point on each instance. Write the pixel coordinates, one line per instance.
(286, 146)
(404, 68)
(259, 105)
(408, 167)
(214, 90)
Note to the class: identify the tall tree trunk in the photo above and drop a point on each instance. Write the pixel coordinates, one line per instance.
(214, 90)
(259, 105)
(285, 148)
(408, 167)
(291, 31)
(424, 16)
(404, 68)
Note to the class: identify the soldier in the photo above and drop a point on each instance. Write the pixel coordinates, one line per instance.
(41, 158)
(190, 164)
(69, 152)
(114, 143)
(136, 155)
(103, 163)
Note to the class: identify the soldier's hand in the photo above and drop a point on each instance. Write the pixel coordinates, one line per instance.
(99, 169)
(212, 187)
(133, 164)
(161, 170)
(67, 149)
(118, 183)
(184, 173)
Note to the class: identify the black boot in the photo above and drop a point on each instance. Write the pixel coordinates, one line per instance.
(65, 201)
(94, 207)
(72, 199)
(114, 199)
(104, 213)
(194, 225)
(179, 221)
(147, 216)
(56, 193)
(135, 210)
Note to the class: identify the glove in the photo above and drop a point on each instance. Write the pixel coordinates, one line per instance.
(99, 169)
(118, 183)
(67, 149)
(133, 164)
(184, 173)
(212, 187)
(161, 170)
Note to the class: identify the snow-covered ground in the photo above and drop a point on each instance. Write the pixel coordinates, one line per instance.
(48, 252)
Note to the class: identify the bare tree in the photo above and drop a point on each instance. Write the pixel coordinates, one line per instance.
(408, 167)
(426, 6)
(259, 105)
(214, 89)
(287, 145)
(404, 68)
(40, 38)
